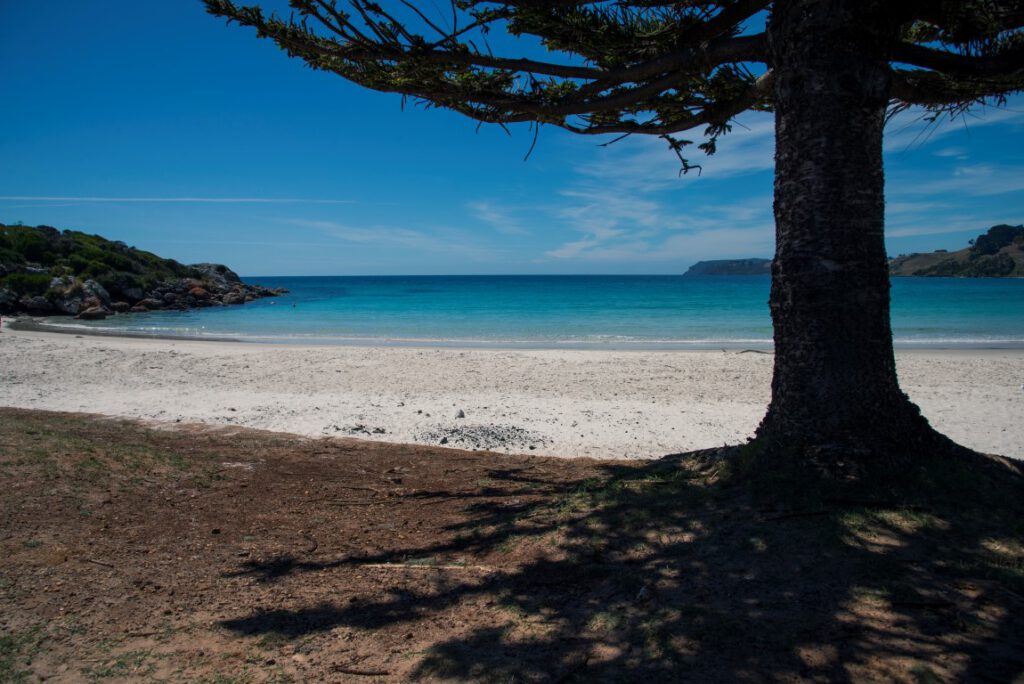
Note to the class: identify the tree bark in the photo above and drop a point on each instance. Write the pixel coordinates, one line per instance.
(835, 388)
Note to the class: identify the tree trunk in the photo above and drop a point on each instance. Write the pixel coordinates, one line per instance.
(834, 392)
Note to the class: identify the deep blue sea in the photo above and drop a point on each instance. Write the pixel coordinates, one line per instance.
(641, 312)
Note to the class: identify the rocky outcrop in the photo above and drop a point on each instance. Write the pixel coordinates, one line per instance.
(46, 271)
(94, 313)
(210, 285)
(8, 302)
(90, 288)
(38, 306)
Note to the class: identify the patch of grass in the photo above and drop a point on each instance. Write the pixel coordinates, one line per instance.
(15, 649)
(56, 449)
(92, 469)
(757, 543)
(923, 674)
(606, 621)
(272, 641)
(130, 663)
(511, 603)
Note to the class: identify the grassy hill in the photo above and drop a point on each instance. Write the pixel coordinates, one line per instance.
(997, 253)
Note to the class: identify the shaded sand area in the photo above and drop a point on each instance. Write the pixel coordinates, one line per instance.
(604, 404)
(232, 555)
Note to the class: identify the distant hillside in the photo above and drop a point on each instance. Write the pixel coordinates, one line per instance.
(997, 253)
(45, 271)
(731, 267)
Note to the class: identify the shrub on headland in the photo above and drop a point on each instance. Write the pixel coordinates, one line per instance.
(75, 272)
(30, 284)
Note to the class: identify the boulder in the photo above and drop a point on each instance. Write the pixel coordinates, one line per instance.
(8, 301)
(149, 303)
(62, 283)
(133, 294)
(138, 309)
(170, 298)
(217, 276)
(234, 298)
(120, 307)
(90, 302)
(199, 293)
(96, 313)
(69, 305)
(37, 305)
(90, 288)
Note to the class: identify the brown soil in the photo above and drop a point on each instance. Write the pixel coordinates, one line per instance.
(137, 554)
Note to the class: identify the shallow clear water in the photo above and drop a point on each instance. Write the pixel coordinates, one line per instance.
(575, 311)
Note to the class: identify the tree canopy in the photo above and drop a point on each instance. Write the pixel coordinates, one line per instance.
(641, 67)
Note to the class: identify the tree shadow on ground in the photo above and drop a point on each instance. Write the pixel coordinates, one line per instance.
(680, 571)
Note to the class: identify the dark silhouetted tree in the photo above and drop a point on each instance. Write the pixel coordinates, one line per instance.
(830, 70)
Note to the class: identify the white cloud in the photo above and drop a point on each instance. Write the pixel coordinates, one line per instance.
(916, 231)
(571, 250)
(911, 129)
(894, 210)
(497, 217)
(955, 152)
(442, 241)
(632, 206)
(679, 248)
(978, 180)
(646, 164)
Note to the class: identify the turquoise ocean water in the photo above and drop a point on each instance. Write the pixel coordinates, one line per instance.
(641, 312)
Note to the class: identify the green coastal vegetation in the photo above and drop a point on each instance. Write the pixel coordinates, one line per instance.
(47, 271)
(30, 256)
(997, 253)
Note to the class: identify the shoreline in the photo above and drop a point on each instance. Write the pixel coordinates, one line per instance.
(33, 324)
(618, 404)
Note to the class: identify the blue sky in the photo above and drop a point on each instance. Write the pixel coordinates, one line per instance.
(156, 124)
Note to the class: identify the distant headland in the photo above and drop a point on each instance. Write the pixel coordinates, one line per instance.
(48, 272)
(731, 267)
(997, 253)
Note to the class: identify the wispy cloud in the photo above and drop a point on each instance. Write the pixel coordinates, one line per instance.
(957, 225)
(955, 152)
(499, 218)
(647, 165)
(631, 205)
(440, 240)
(900, 210)
(978, 180)
(676, 249)
(182, 200)
(912, 129)
(571, 250)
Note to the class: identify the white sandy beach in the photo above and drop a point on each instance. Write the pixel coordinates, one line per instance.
(609, 404)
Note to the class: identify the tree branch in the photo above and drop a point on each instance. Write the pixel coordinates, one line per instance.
(1005, 63)
(939, 91)
(722, 113)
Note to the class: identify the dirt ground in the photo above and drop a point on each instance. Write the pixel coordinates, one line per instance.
(198, 555)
